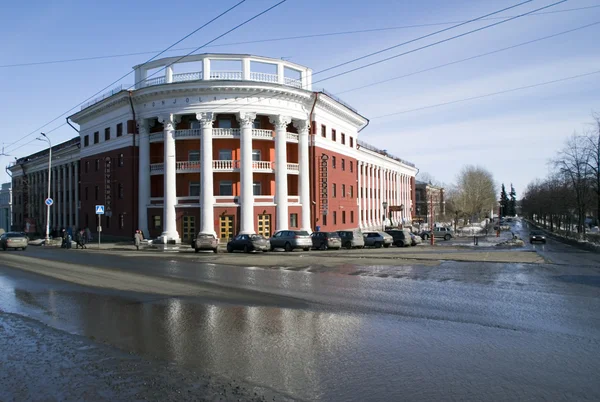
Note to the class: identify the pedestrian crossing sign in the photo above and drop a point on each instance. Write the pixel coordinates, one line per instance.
(99, 209)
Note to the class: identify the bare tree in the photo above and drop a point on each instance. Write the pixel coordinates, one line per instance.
(573, 163)
(592, 144)
(474, 194)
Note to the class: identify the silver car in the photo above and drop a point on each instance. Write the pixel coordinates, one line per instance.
(377, 239)
(14, 240)
(352, 238)
(290, 240)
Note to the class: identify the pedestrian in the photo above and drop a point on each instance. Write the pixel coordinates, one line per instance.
(79, 239)
(64, 239)
(83, 238)
(137, 238)
(88, 235)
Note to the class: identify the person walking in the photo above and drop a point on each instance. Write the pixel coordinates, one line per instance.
(80, 239)
(137, 238)
(64, 239)
(83, 238)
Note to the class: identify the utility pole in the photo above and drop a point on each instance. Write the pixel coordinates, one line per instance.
(48, 199)
(431, 227)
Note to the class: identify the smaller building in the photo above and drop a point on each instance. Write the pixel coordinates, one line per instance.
(427, 195)
(6, 207)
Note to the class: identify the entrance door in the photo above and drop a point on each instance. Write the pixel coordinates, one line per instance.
(264, 225)
(226, 227)
(189, 228)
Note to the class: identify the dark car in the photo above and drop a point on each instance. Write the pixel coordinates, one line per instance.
(536, 235)
(401, 238)
(248, 243)
(326, 240)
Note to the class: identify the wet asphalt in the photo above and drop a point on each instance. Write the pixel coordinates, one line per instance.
(457, 330)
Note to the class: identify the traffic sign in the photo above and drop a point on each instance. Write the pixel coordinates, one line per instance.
(99, 209)
(49, 201)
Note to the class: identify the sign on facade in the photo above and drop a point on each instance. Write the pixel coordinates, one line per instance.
(99, 209)
(324, 192)
(49, 201)
(107, 185)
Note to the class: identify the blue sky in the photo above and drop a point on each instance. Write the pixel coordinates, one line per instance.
(513, 135)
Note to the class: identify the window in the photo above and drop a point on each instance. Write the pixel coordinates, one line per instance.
(323, 131)
(119, 129)
(96, 192)
(324, 219)
(224, 123)
(351, 216)
(334, 217)
(156, 219)
(96, 137)
(333, 162)
(256, 155)
(333, 135)
(121, 221)
(225, 187)
(343, 191)
(108, 222)
(343, 217)
(256, 188)
(195, 124)
(86, 141)
(343, 139)
(97, 164)
(256, 124)
(351, 167)
(351, 142)
(121, 191)
(194, 189)
(121, 160)
(107, 134)
(194, 156)
(225, 154)
(293, 220)
(333, 190)
(87, 166)
(343, 164)
(351, 191)
(86, 193)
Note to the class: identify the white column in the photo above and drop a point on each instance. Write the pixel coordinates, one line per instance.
(359, 190)
(76, 195)
(396, 196)
(304, 179)
(70, 200)
(246, 69)
(54, 207)
(143, 176)
(370, 196)
(281, 187)
(246, 178)
(170, 177)
(206, 69)
(377, 196)
(168, 74)
(63, 220)
(207, 197)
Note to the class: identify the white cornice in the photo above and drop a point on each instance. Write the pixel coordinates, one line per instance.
(107, 104)
(113, 144)
(341, 111)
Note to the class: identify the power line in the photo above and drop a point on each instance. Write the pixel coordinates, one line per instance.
(419, 38)
(35, 139)
(108, 86)
(487, 95)
(437, 43)
(318, 35)
(469, 58)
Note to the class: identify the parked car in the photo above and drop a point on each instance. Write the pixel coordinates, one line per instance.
(415, 239)
(537, 235)
(444, 233)
(326, 240)
(205, 241)
(14, 240)
(352, 238)
(377, 239)
(401, 237)
(248, 243)
(291, 240)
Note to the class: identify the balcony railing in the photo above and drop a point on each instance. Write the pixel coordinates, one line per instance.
(293, 167)
(225, 165)
(262, 134)
(105, 95)
(154, 81)
(187, 76)
(155, 137)
(226, 132)
(157, 168)
(264, 77)
(262, 165)
(293, 82)
(226, 75)
(383, 152)
(188, 166)
(191, 133)
(221, 166)
(292, 137)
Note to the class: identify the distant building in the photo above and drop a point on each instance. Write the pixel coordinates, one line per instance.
(426, 195)
(6, 207)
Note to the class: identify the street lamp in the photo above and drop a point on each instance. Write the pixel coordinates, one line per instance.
(385, 205)
(45, 137)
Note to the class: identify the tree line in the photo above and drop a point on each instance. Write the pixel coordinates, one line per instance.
(571, 191)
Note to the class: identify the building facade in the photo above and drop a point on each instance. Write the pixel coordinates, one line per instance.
(30, 189)
(427, 196)
(247, 149)
(6, 214)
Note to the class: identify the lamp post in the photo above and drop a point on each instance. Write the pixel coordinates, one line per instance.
(45, 137)
(385, 205)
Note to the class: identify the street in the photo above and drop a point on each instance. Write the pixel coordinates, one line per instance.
(303, 328)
